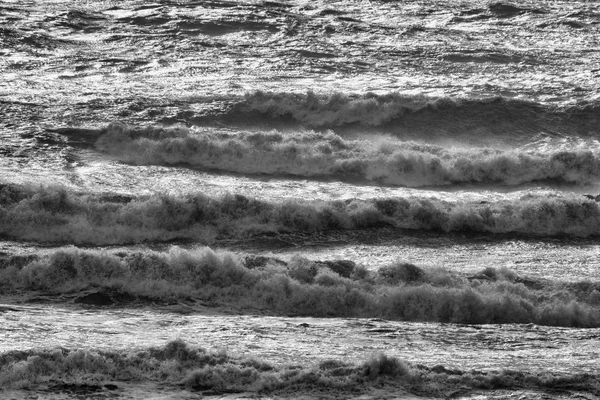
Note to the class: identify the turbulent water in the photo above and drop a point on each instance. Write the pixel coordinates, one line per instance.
(419, 165)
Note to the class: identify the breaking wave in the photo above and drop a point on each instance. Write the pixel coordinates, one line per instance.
(419, 114)
(385, 160)
(341, 288)
(54, 214)
(194, 368)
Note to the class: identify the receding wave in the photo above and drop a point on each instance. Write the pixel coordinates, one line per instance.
(53, 214)
(341, 288)
(384, 160)
(194, 368)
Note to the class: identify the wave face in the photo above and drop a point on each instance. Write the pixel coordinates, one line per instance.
(57, 215)
(406, 113)
(384, 159)
(341, 288)
(177, 364)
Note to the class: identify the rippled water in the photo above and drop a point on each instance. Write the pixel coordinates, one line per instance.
(497, 92)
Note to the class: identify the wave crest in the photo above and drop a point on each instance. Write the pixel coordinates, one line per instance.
(386, 160)
(399, 291)
(177, 364)
(56, 215)
(417, 114)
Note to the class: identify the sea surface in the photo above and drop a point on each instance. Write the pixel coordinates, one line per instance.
(458, 136)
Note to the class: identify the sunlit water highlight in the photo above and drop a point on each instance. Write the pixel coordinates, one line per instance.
(530, 70)
(306, 340)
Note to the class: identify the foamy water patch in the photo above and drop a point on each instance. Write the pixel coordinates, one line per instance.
(556, 260)
(97, 174)
(282, 340)
(385, 160)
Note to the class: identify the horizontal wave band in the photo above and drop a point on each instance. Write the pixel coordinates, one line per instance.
(385, 160)
(406, 113)
(56, 215)
(341, 288)
(193, 368)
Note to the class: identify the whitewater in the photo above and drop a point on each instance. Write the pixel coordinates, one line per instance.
(299, 199)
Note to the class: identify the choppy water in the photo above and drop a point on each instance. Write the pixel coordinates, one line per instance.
(308, 340)
(461, 135)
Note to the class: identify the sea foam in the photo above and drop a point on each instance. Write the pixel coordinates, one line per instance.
(383, 159)
(53, 214)
(399, 291)
(177, 364)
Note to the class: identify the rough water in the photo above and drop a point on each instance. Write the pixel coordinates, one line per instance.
(457, 136)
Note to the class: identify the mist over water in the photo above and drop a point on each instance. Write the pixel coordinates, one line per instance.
(418, 178)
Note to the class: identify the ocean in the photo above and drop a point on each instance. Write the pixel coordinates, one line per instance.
(299, 199)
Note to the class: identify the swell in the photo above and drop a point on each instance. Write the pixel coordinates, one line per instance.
(216, 372)
(53, 214)
(383, 159)
(410, 114)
